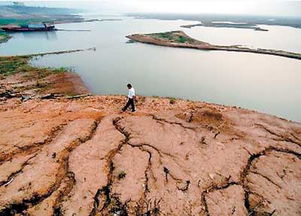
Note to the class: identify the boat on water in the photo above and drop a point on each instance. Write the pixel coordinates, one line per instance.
(29, 28)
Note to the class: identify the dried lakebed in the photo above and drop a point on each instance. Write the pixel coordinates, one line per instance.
(182, 40)
(81, 157)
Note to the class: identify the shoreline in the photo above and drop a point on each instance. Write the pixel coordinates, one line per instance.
(64, 151)
(4, 38)
(254, 27)
(70, 147)
(58, 145)
(18, 79)
(179, 39)
(207, 18)
(61, 82)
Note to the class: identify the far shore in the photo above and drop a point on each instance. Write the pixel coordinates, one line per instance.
(255, 27)
(181, 40)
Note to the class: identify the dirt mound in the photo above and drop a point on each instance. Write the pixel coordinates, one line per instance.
(82, 157)
(208, 115)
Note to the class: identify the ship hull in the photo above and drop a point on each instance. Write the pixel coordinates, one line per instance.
(19, 29)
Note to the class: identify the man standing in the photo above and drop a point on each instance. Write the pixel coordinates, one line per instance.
(131, 98)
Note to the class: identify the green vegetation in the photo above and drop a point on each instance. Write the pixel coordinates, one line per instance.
(20, 64)
(11, 65)
(4, 37)
(174, 36)
(182, 39)
(17, 64)
(164, 35)
(60, 69)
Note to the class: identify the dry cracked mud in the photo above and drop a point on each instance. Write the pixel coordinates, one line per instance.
(84, 157)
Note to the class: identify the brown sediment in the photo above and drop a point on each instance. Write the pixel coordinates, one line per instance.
(181, 40)
(20, 80)
(163, 159)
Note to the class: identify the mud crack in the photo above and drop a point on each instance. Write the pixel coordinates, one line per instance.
(171, 122)
(243, 181)
(35, 147)
(104, 193)
(63, 170)
(106, 202)
(213, 188)
(14, 174)
(281, 137)
(247, 170)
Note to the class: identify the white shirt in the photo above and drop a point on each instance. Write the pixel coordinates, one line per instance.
(131, 93)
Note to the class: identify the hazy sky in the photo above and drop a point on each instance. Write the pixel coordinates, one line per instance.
(261, 7)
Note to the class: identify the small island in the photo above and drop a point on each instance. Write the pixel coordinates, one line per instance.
(181, 40)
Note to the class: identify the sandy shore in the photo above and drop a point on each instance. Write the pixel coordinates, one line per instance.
(80, 156)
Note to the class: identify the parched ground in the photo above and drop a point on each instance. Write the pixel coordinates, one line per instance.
(83, 157)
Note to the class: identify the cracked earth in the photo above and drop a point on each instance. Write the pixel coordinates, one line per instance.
(84, 157)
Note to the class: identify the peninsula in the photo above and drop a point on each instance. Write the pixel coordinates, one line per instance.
(181, 40)
(63, 152)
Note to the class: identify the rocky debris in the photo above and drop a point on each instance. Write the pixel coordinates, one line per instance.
(80, 156)
(7, 94)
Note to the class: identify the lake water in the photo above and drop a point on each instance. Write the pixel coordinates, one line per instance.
(265, 83)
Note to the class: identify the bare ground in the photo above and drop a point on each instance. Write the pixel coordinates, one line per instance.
(83, 157)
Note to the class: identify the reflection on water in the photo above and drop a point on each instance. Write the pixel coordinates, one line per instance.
(266, 83)
(49, 35)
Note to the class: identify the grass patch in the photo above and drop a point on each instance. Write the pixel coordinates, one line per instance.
(4, 37)
(173, 36)
(163, 35)
(59, 70)
(12, 65)
(182, 39)
(19, 64)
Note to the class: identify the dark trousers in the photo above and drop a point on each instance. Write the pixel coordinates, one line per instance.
(130, 102)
